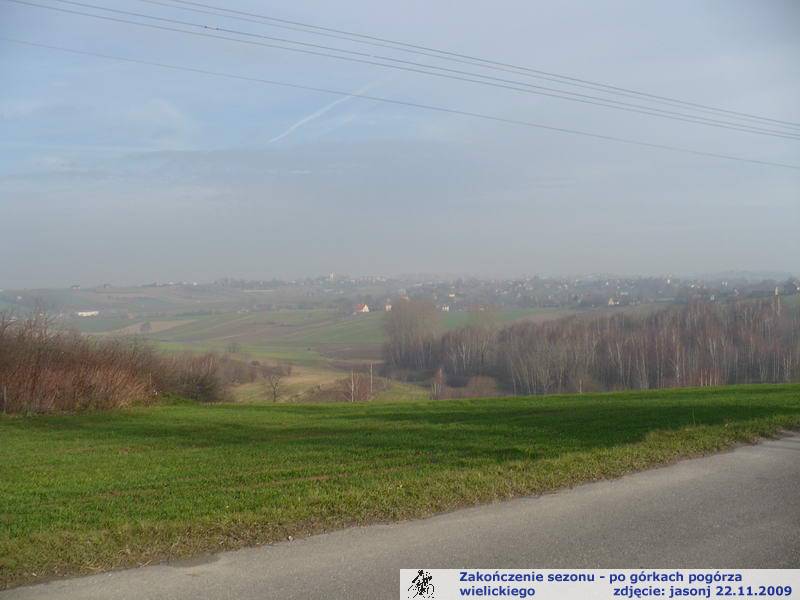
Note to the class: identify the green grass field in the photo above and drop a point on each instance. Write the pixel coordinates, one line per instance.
(83, 493)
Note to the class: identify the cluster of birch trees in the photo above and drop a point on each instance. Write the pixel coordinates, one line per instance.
(698, 344)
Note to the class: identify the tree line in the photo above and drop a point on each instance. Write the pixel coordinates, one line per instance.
(698, 344)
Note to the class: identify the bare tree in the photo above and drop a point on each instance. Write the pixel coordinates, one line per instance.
(274, 379)
(411, 328)
(355, 387)
(437, 385)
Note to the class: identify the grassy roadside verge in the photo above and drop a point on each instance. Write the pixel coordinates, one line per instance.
(90, 492)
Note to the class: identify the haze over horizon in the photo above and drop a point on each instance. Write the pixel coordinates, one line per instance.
(127, 173)
(750, 276)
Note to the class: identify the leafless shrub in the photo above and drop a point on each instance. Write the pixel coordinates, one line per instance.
(47, 370)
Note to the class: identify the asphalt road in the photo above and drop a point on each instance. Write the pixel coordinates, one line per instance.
(737, 509)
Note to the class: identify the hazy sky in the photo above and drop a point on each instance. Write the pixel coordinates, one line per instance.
(125, 173)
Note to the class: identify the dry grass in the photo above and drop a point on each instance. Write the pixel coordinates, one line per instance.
(302, 380)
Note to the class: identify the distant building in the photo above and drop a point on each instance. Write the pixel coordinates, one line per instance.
(74, 287)
(387, 307)
(87, 313)
(613, 302)
(360, 309)
(446, 308)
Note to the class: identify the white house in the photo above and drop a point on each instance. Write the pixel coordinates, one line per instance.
(360, 309)
(88, 313)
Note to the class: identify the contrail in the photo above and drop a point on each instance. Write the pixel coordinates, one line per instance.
(317, 114)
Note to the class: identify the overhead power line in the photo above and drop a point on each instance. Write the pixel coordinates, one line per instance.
(420, 68)
(451, 56)
(418, 105)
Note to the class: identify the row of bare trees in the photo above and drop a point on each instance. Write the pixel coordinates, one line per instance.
(698, 344)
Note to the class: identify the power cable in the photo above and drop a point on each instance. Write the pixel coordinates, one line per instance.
(429, 107)
(581, 98)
